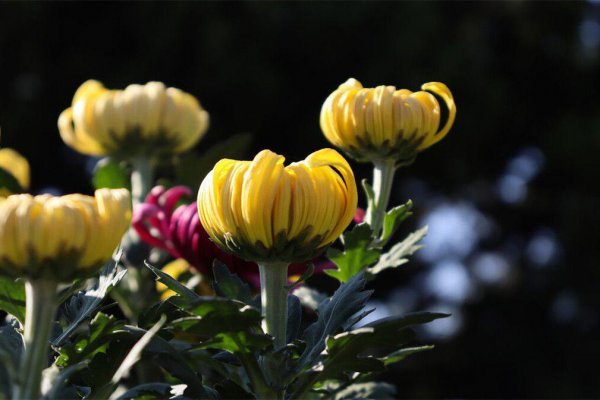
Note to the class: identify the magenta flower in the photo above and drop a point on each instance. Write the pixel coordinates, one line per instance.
(178, 230)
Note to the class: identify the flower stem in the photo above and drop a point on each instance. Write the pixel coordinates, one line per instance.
(40, 307)
(142, 177)
(273, 278)
(383, 177)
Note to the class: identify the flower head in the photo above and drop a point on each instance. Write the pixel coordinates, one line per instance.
(147, 120)
(61, 238)
(15, 164)
(161, 222)
(385, 123)
(263, 211)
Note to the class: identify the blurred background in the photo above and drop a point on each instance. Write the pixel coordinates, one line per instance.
(511, 196)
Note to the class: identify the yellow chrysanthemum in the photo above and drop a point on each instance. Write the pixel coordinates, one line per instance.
(145, 120)
(263, 211)
(15, 164)
(61, 238)
(379, 123)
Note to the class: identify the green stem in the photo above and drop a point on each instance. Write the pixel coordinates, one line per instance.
(383, 177)
(142, 178)
(261, 389)
(40, 307)
(273, 278)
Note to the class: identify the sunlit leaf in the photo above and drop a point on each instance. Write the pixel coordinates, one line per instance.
(357, 255)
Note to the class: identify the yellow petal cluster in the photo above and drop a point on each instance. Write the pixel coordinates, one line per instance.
(384, 123)
(146, 120)
(263, 211)
(61, 238)
(15, 164)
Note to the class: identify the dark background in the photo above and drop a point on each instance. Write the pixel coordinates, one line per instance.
(511, 195)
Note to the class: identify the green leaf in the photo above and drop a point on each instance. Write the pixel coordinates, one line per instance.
(12, 297)
(109, 173)
(396, 256)
(9, 182)
(55, 381)
(157, 390)
(366, 390)
(190, 169)
(82, 305)
(347, 300)
(170, 358)
(229, 285)
(294, 318)
(369, 193)
(346, 351)
(102, 330)
(11, 349)
(358, 253)
(401, 354)
(309, 297)
(187, 295)
(392, 220)
(130, 360)
(220, 372)
(224, 324)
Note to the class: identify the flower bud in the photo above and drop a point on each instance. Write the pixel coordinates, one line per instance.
(265, 212)
(61, 238)
(15, 164)
(142, 120)
(372, 124)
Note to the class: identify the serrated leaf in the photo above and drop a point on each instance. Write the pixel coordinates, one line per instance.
(396, 256)
(109, 173)
(357, 255)
(229, 285)
(9, 182)
(224, 368)
(366, 390)
(347, 300)
(186, 294)
(103, 329)
(168, 356)
(346, 352)
(12, 297)
(191, 168)
(224, 324)
(392, 220)
(130, 360)
(83, 305)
